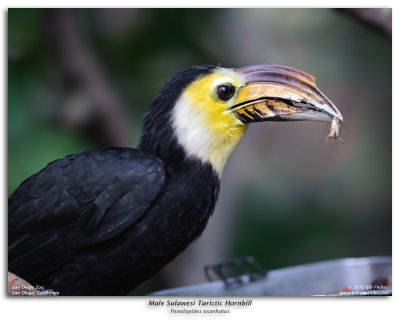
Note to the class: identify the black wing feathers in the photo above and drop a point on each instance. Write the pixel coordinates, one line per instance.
(79, 200)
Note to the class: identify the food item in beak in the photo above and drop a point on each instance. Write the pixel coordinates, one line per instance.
(334, 130)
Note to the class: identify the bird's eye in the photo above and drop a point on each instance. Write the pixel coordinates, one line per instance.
(225, 91)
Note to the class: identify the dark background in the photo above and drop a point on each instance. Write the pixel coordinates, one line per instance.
(81, 79)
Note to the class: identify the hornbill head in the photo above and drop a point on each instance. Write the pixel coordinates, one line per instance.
(210, 113)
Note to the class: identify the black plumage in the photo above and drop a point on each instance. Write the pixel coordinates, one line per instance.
(102, 222)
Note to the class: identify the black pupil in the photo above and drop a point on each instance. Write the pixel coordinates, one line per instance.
(225, 91)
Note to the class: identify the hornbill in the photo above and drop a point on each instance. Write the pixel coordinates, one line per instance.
(102, 222)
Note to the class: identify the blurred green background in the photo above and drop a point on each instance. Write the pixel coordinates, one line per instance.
(81, 79)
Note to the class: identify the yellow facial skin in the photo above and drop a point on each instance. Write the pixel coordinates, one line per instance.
(219, 130)
(203, 94)
(209, 128)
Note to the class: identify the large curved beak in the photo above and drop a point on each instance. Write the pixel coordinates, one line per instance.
(281, 93)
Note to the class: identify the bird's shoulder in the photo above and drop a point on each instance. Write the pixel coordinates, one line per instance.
(79, 200)
(90, 191)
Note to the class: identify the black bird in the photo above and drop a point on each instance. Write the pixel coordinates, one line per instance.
(102, 222)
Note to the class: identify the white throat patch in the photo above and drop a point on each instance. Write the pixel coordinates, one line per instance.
(190, 129)
(193, 134)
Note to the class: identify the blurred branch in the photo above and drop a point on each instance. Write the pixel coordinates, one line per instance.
(379, 18)
(81, 73)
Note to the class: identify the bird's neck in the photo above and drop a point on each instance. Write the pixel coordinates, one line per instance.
(177, 154)
(180, 133)
(191, 191)
(189, 182)
(165, 147)
(160, 140)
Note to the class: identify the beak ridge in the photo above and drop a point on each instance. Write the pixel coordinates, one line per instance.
(281, 93)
